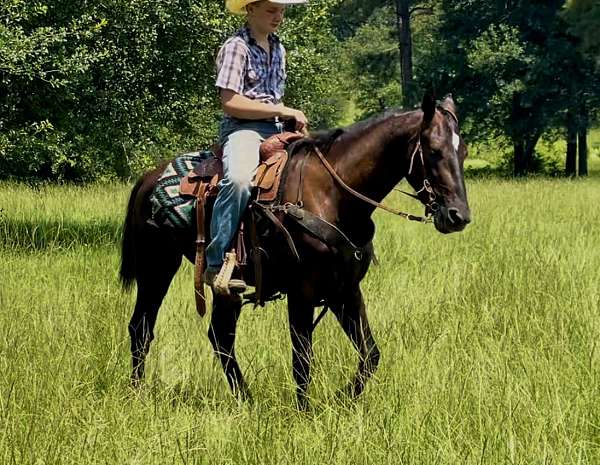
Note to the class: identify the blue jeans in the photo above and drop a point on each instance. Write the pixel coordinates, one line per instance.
(241, 141)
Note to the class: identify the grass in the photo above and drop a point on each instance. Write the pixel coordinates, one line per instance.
(489, 344)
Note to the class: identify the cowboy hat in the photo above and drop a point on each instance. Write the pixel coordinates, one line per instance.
(239, 6)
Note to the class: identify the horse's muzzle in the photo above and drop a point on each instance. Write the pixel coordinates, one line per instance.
(451, 219)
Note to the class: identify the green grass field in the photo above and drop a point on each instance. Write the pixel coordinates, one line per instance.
(489, 338)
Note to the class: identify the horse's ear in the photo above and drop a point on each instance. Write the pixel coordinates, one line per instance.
(428, 107)
(448, 104)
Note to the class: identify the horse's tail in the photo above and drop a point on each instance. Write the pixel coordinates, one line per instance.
(128, 261)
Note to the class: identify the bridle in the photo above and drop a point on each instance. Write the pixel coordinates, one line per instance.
(431, 205)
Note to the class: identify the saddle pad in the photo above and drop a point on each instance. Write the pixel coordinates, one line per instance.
(169, 206)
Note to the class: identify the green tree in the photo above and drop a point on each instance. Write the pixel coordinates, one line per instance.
(405, 11)
(382, 52)
(370, 58)
(105, 88)
(584, 17)
(508, 67)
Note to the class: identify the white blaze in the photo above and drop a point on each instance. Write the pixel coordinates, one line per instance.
(455, 140)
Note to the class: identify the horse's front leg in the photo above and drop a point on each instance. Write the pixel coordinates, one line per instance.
(352, 316)
(300, 312)
(223, 323)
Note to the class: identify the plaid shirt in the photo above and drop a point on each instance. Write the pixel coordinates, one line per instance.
(243, 67)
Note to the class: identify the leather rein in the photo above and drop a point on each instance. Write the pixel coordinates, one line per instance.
(432, 205)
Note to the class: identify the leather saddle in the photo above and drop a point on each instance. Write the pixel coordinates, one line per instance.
(267, 177)
(202, 182)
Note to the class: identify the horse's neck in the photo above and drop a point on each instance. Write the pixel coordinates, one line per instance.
(376, 159)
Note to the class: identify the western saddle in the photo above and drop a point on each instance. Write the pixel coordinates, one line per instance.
(202, 183)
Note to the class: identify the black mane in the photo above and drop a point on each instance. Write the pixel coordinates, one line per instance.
(324, 139)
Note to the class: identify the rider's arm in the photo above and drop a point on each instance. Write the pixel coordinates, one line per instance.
(238, 106)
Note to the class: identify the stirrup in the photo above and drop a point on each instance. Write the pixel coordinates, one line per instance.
(223, 284)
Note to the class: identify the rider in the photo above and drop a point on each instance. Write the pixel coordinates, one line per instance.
(250, 78)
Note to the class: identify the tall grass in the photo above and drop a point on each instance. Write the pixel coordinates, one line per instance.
(489, 344)
(36, 217)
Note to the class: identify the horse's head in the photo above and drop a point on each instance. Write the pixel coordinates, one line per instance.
(436, 166)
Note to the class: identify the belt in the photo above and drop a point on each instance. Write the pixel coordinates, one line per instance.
(245, 121)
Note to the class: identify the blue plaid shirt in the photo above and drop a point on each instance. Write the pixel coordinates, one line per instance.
(243, 66)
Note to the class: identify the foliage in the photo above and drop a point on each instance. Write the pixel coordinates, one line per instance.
(510, 65)
(513, 70)
(370, 62)
(313, 70)
(104, 88)
(370, 53)
(584, 17)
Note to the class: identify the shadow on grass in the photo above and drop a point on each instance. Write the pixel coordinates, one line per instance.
(482, 169)
(30, 235)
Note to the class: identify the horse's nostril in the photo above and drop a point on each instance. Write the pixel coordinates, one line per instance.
(455, 216)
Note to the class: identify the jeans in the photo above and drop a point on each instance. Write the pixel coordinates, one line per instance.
(241, 141)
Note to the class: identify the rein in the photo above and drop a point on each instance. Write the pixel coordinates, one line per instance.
(408, 216)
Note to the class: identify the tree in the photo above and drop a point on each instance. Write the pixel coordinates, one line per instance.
(507, 67)
(105, 88)
(370, 63)
(583, 17)
(405, 10)
(381, 50)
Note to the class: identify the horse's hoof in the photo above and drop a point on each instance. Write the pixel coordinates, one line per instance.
(136, 382)
(244, 395)
(350, 391)
(302, 403)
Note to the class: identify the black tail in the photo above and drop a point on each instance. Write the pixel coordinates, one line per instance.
(127, 272)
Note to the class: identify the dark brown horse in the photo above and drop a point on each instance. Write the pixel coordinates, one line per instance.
(370, 157)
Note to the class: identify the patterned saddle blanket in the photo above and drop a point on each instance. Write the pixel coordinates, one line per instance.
(169, 206)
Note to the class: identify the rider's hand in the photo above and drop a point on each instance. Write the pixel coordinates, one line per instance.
(301, 120)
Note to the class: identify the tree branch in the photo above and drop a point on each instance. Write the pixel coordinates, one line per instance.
(419, 10)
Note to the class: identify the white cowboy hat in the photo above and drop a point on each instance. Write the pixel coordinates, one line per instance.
(238, 7)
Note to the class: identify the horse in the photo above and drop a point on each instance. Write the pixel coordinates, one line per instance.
(355, 169)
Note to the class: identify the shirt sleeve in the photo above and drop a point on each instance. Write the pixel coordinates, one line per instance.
(231, 65)
(283, 56)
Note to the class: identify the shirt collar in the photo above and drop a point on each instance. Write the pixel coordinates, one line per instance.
(244, 33)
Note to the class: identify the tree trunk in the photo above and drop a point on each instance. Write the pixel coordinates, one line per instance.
(519, 161)
(524, 150)
(524, 137)
(530, 144)
(405, 47)
(520, 165)
(570, 168)
(583, 148)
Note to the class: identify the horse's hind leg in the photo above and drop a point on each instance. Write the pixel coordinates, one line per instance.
(156, 265)
(223, 323)
(352, 316)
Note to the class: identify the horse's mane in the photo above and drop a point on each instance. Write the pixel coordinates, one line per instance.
(324, 139)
